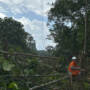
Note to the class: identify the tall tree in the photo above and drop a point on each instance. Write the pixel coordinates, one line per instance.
(12, 34)
(67, 25)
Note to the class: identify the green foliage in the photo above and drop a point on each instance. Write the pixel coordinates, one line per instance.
(13, 35)
(67, 25)
(63, 64)
(13, 86)
(1, 59)
(7, 66)
(33, 63)
(32, 66)
(50, 50)
(12, 32)
(13, 38)
(87, 85)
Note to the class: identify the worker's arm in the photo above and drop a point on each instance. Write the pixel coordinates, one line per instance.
(75, 68)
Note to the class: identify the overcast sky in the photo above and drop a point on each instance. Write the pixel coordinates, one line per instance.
(31, 13)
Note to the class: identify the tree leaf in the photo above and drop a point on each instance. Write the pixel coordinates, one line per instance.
(7, 66)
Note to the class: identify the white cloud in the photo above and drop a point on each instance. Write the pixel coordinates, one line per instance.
(2, 15)
(5, 1)
(10, 2)
(38, 30)
(1, 9)
(38, 6)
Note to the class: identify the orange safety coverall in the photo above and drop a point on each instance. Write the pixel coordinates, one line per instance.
(74, 72)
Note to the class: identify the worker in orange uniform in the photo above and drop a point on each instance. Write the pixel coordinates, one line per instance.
(74, 69)
(75, 73)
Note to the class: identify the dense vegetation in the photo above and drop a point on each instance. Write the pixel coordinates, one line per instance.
(66, 22)
(67, 25)
(19, 72)
(13, 38)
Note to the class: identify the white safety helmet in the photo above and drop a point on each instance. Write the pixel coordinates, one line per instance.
(74, 58)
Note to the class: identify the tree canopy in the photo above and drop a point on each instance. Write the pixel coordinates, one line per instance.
(13, 35)
(67, 20)
(67, 25)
